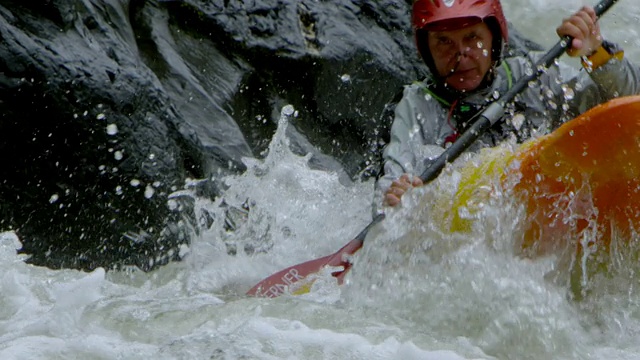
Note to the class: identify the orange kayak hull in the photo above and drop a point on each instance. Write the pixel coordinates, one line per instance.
(584, 175)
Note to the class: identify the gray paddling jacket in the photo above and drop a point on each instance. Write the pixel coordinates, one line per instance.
(423, 123)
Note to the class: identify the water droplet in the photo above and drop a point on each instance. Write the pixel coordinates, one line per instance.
(549, 93)
(148, 192)
(287, 110)
(172, 204)
(54, 198)
(345, 78)
(568, 92)
(101, 116)
(112, 129)
(517, 121)
(118, 155)
(134, 182)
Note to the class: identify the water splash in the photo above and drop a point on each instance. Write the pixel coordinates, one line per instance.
(289, 213)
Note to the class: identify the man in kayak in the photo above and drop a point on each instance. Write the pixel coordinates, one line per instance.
(464, 45)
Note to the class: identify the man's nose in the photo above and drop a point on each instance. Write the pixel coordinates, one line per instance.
(462, 49)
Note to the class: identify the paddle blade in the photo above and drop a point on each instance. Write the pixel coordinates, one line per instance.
(298, 279)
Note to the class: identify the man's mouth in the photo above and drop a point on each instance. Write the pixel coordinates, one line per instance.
(463, 71)
(460, 72)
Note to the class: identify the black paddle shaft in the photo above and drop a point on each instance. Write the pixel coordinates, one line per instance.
(494, 112)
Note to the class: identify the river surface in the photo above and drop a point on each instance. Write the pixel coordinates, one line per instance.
(414, 292)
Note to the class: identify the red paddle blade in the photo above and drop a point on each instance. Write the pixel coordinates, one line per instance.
(298, 279)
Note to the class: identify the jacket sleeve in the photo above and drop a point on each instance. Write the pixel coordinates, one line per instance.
(617, 78)
(397, 155)
(585, 90)
(412, 140)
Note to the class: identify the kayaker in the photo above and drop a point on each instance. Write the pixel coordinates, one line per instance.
(464, 45)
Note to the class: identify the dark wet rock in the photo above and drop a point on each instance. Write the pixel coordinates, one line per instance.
(108, 106)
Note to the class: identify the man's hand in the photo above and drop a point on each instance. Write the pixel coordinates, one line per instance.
(398, 188)
(584, 30)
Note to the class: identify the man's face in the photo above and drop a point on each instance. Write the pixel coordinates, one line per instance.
(463, 56)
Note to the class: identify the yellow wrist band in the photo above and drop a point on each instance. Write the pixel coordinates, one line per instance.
(600, 57)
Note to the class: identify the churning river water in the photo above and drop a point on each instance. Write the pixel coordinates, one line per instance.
(414, 293)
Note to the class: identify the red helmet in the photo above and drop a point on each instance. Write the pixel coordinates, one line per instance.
(453, 14)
